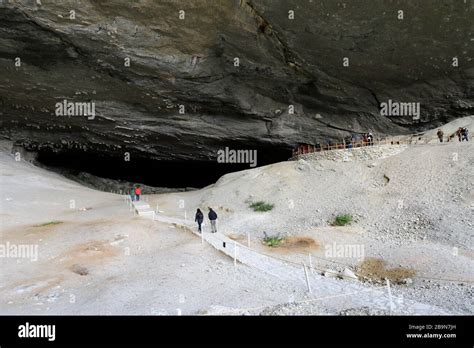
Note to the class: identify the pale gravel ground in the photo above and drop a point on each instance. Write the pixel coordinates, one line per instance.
(135, 266)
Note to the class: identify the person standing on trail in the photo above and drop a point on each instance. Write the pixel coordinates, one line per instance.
(348, 141)
(440, 135)
(459, 133)
(199, 218)
(465, 134)
(365, 139)
(212, 217)
(138, 192)
(370, 138)
(132, 194)
(328, 144)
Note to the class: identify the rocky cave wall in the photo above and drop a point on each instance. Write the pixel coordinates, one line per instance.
(190, 62)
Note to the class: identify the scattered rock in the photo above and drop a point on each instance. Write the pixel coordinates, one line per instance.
(348, 274)
(330, 273)
(364, 311)
(79, 269)
(303, 166)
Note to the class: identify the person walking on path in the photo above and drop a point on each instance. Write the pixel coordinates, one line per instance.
(199, 218)
(440, 135)
(212, 217)
(459, 133)
(138, 192)
(132, 194)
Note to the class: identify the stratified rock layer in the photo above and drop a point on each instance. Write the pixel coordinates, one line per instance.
(191, 62)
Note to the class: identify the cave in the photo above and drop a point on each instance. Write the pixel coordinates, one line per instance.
(151, 172)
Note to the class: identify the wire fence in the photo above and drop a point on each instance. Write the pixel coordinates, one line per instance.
(238, 250)
(306, 275)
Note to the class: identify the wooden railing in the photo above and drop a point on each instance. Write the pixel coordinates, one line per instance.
(307, 148)
(400, 140)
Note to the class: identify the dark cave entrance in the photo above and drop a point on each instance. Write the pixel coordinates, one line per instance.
(157, 173)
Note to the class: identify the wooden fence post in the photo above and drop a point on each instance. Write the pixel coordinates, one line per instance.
(307, 278)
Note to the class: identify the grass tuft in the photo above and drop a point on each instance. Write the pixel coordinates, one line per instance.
(272, 241)
(342, 220)
(261, 206)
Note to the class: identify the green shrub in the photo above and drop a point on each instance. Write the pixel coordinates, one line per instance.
(261, 206)
(342, 220)
(272, 241)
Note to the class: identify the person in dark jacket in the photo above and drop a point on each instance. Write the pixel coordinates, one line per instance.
(212, 217)
(440, 135)
(199, 218)
(465, 134)
(459, 133)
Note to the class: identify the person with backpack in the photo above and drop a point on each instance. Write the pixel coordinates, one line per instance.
(199, 218)
(440, 135)
(212, 217)
(138, 192)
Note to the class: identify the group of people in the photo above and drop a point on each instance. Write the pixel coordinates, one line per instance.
(462, 133)
(368, 139)
(199, 218)
(135, 193)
